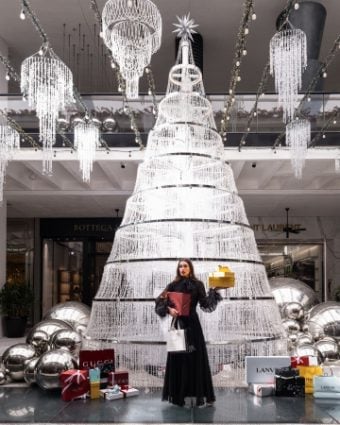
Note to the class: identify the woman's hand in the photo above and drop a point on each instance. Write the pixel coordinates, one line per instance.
(173, 312)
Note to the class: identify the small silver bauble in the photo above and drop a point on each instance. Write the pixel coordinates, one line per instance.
(30, 370)
(72, 312)
(50, 365)
(15, 359)
(291, 326)
(39, 340)
(48, 326)
(328, 349)
(293, 310)
(2, 376)
(67, 339)
(304, 340)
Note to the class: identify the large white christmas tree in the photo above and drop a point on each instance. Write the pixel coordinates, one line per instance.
(184, 205)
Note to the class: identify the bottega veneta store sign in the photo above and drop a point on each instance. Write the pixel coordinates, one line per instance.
(79, 227)
(275, 227)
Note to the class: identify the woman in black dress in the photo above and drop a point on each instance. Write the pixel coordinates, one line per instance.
(188, 374)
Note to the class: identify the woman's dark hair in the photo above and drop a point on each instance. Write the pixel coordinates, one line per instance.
(191, 267)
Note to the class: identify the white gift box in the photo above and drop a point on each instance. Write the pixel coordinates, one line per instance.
(319, 394)
(108, 394)
(261, 369)
(130, 392)
(326, 384)
(262, 390)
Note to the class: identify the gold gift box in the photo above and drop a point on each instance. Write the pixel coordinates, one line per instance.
(223, 278)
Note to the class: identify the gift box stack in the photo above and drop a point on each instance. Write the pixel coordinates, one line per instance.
(282, 375)
(96, 378)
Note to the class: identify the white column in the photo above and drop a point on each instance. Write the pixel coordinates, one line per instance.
(3, 246)
(3, 72)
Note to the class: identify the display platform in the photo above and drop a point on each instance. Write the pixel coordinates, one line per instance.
(233, 406)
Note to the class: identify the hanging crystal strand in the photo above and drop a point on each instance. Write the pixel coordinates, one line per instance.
(288, 60)
(48, 85)
(86, 140)
(9, 143)
(298, 139)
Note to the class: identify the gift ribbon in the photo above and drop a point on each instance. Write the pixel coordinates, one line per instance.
(76, 378)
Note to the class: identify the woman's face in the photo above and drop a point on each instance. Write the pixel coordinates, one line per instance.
(184, 269)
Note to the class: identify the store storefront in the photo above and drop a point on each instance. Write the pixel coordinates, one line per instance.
(73, 256)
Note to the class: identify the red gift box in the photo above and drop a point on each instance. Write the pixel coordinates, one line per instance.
(103, 359)
(120, 377)
(74, 383)
(303, 361)
(181, 302)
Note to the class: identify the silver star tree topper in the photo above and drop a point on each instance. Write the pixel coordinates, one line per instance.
(185, 27)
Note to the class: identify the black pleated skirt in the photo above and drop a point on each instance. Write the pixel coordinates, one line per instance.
(188, 374)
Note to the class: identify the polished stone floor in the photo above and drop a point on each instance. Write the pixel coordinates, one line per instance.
(233, 406)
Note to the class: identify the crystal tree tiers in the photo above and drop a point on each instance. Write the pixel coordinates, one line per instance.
(184, 204)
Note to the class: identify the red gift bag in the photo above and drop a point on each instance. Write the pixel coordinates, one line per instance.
(74, 383)
(181, 302)
(103, 359)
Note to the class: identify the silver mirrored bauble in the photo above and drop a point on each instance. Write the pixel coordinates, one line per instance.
(305, 327)
(109, 124)
(50, 365)
(48, 326)
(327, 317)
(308, 350)
(328, 349)
(67, 339)
(291, 326)
(304, 339)
(292, 310)
(39, 340)
(315, 330)
(2, 376)
(72, 312)
(292, 338)
(287, 290)
(30, 369)
(15, 359)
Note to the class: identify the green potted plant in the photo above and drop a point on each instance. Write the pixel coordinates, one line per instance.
(15, 306)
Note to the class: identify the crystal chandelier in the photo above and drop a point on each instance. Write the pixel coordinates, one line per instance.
(298, 139)
(47, 83)
(86, 140)
(288, 60)
(132, 30)
(9, 142)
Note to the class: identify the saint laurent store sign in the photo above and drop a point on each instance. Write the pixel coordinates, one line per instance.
(274, 227)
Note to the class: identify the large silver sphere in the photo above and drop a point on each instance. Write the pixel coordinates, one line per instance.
(48, 326)
(72, 312)
(291, 326)
(68, 339)
(304, 339)
(325, 316)
(292, 310)
(50, 365)
(308, 350)
(15, 359)
(328, 349)
(30, 370)
(287, 290)
(39, 339)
